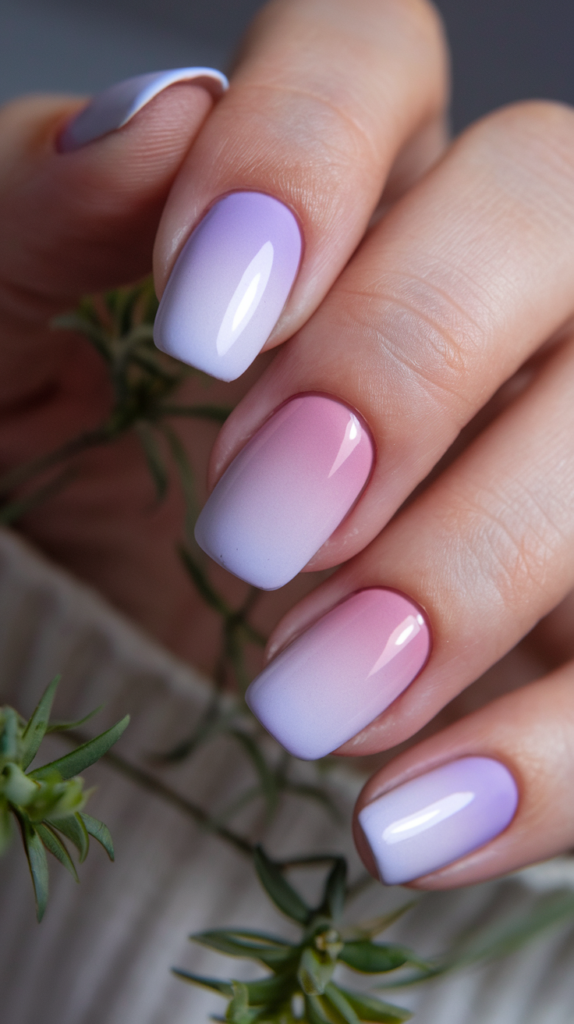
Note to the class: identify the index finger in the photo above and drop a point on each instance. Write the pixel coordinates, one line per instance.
(290, 167)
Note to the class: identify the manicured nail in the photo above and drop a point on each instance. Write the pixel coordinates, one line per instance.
(229, 284)
(285, 493)
(114, 107)
(341, 673)
(431, 821)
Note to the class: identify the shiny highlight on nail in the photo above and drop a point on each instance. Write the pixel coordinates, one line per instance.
(438, 817)
(287, 491)
(342, 673)
(230, 284)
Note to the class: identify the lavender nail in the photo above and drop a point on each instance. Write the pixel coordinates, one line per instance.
(229, 284)
(114, 107)
(438, 817)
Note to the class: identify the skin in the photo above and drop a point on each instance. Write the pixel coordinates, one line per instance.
(435, 296)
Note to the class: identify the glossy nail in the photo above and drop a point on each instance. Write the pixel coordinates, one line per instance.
(285, 493)
(229, 284)
(433, 820)
(114, 107)
(341, 673)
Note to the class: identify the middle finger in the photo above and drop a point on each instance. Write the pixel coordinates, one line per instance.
(460, 283)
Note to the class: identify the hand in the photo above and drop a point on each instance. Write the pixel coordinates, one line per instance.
(337, 112)
(444, 352)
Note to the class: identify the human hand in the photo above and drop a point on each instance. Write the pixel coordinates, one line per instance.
(80, 216)
(449, 297)
(449, 333)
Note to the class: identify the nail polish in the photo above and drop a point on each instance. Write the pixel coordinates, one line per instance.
(230, 284)
(433, 820)
(342, 673)
(286, 491)
(114, 107)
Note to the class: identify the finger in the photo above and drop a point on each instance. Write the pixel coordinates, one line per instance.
(486, 551)
(291, 168)
(84, 220)
(460, 283)
(50, 200)
(488, 795)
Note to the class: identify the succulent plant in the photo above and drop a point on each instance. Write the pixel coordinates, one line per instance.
(48, 802)
(302, 988)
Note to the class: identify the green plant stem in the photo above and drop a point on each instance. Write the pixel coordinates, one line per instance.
(22, 474)
(148, 782)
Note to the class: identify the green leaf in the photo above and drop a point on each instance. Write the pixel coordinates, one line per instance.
(99, 832)
(59, 726)
(82, 325)
(239, 1005)
(225, 988)
(315, 1011)
(154, 459)
(186, 476)
(276, 886)
(37, 726)
(37, 862)
(333, 900)
(5, 827)
(204, 588)
(271, 990)
(268, 990)
(269, 951)
(369, 1008)
(238, 1010)
(74, 829)
(81, 758)
(9, 735)
(343, 1007)
(495, 941)
(315, 971)
(372, 958)
(370, 929)
(57, 848)
(264, 772)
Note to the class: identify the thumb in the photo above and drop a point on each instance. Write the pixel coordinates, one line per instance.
(84, 220)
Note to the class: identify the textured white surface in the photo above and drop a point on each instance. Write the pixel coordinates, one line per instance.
(103, 952)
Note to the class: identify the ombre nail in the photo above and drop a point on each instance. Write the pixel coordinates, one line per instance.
(230, 284)
(341, 673)
(114, 107)
(287, 490)
(438, 817)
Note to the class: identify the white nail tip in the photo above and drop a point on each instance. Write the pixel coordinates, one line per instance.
(114, 107)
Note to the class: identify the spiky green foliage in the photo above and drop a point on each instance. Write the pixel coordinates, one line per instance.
(48, 802)
(301, 986)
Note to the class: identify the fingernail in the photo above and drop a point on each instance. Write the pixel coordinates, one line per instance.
(285, 493)
(229, 284)
(342, 673)
(431, 821)
(114, 107)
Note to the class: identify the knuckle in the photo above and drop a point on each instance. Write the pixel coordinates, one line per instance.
(511, 541)
(416, 330)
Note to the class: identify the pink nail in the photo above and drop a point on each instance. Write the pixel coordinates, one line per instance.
(287, 491)
(342, 673)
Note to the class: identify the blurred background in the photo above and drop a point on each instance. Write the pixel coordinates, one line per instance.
(503, 50)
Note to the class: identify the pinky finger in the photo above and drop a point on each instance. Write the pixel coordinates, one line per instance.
(490, 794)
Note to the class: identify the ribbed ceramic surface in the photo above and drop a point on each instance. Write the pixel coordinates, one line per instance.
(103, 953)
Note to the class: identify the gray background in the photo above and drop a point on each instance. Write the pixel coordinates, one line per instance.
(503, 50)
